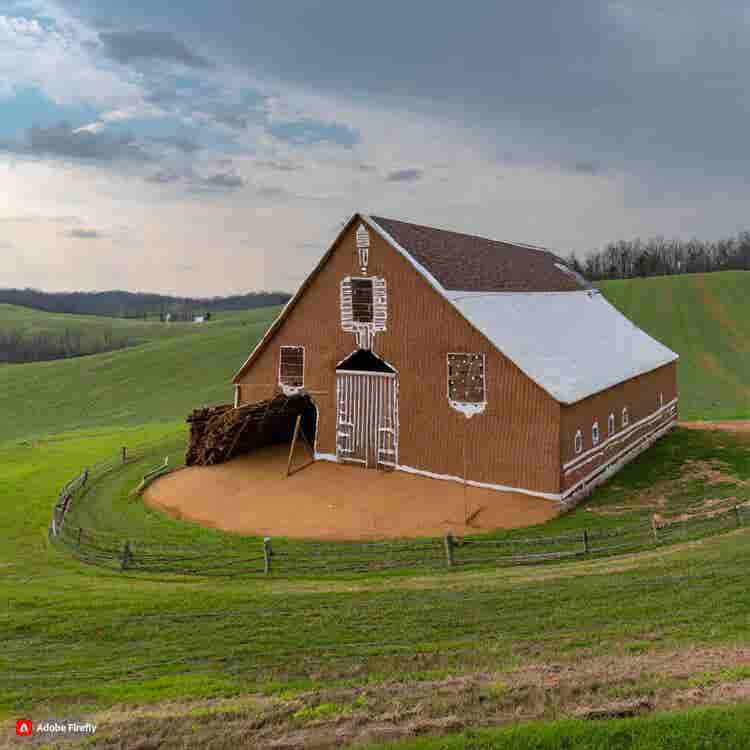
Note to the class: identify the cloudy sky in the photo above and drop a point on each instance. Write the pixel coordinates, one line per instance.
(215, 147)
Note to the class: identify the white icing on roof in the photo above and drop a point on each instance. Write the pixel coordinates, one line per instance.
(573, 344)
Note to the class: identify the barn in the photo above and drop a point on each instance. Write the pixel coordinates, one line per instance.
(463, 359)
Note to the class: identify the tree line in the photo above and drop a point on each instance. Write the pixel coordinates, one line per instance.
(658, 256)
(121, 304)
(16, 348)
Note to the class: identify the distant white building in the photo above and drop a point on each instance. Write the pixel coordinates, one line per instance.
(199, 319)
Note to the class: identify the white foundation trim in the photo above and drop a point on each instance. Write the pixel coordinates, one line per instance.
(580, 458)
(599, 474)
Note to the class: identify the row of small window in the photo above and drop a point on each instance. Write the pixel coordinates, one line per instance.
(595, 436)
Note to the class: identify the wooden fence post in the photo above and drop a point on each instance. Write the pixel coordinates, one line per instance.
(448, 541)
(127, 556)
(586, 541)
(267, 552)
(124, 453)
(737, 513)
(294, 442)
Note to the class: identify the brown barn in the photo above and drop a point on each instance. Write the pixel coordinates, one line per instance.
(464, 359)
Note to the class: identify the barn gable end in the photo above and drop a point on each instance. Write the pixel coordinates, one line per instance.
(422, 328)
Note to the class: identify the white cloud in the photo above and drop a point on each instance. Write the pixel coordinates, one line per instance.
(58, 54)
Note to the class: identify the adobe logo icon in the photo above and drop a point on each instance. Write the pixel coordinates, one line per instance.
(24, 728)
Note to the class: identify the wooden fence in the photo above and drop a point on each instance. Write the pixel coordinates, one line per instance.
(285, 557)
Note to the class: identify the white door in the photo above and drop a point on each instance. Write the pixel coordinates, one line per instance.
(367, 418)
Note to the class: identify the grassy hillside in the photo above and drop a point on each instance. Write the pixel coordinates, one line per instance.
(321, 663)
(706, 319)
(162, 380)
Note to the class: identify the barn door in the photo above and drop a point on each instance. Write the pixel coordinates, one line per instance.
(367, 418)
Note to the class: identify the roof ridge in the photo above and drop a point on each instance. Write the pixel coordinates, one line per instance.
(514, 243)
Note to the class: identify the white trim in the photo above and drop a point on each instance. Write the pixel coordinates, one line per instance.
(291, 390)
(601, 473)
(236, 395)
(618, 436)
(578, 443)
(366, 372)
(422, 270)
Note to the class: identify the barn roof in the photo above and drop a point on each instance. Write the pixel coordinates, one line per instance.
(466, 262)
(535, 310)
(572, 344)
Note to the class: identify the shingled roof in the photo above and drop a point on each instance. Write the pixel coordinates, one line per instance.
(476, 264)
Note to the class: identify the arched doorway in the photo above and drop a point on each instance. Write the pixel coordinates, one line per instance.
(367, 411)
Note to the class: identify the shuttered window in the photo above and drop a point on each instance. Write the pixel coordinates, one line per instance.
(466, 378)
(292, 366)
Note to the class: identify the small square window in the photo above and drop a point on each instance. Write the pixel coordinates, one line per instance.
(291, 366)
(466, 378)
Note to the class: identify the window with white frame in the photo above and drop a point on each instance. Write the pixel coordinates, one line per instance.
(291, 367)
(579, 442)
(611, 425)
(466, 378)
(595, 433)
(625, 417)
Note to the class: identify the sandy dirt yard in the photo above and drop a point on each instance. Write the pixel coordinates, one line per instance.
(252, 495)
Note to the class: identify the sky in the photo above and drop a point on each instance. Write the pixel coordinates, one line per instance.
(199, 148)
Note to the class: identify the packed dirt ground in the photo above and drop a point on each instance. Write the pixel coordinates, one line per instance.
(251, 494)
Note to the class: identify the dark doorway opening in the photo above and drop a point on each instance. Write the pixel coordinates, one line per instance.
(363, 360)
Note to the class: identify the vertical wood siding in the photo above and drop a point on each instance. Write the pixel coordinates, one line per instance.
(515, 442)
(639, 395)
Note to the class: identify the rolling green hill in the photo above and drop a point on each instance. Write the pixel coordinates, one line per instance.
(705, 318)
(182, 367)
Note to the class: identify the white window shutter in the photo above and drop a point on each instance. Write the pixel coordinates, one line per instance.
(347, 312)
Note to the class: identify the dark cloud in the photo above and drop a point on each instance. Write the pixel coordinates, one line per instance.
(587, 168)
(163, 177)
(283, 165)
(224, 180)
(62, 141)
(405, 175)
(236, 122)
(630, 83)
(134, 46)
(84, 234)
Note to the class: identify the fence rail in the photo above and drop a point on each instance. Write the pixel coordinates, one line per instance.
(285, 557)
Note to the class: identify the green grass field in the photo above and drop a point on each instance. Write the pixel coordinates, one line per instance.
(705, 318)
(197, 661)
